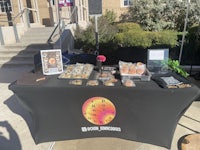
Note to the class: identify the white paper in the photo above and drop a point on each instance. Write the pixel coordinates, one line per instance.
(156, 55)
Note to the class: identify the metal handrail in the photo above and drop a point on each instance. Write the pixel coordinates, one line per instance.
(49, 39)
(19, 14)
(63, 27)
(14, 24)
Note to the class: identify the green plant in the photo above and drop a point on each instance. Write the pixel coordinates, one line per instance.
(85, 38)
(127, 26)
(175, 66)
(131, 34)
(158, 15)
(165, 37)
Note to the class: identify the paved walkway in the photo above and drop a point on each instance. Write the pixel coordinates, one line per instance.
(15, 135)
(14, 132)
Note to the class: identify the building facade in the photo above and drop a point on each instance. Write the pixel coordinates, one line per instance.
(40, 12)
(117, 6)
(46, 12)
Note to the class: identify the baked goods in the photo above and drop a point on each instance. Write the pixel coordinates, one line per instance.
(182, 85)
(108, 83)
(92, 83)
(77, 71)
(132, 69)
(75, 82)
(140, 68)
(105, 75)
(128, 83)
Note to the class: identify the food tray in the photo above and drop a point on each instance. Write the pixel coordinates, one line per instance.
(144, 77)
(77, 71)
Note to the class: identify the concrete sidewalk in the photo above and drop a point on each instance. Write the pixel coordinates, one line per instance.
(15, 134)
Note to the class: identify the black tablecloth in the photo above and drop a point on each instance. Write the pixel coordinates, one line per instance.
(145, 113)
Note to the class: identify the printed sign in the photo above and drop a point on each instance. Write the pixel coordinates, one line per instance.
(157, 60)
(156, 55)
(99, 111)
(64, 3)
(51, 61)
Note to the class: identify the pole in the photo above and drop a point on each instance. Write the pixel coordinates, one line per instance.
(1, 37)
(96, 35)
(184, 31)
(59, 23)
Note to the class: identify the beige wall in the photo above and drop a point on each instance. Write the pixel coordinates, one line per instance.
(9, 35)
(15, 11)
(45, 12)
(115, 6)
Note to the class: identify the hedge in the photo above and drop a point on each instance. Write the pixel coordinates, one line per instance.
(130, 34)
(124, 27)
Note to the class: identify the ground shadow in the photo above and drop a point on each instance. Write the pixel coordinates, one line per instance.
(15, 106)
(24, 61)
(11, 143)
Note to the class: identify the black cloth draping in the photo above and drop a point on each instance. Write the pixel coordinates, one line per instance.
(145, 113)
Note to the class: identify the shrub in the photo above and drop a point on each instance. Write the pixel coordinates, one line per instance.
(164, 38)
(130, 34)
(85, 38)
(124, 27)
(193, 45)
(133, 38)
(193, 37)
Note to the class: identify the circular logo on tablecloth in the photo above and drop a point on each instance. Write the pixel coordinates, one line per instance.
(99, 110)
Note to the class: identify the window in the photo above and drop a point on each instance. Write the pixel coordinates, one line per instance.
(5, 6)
(128, 2)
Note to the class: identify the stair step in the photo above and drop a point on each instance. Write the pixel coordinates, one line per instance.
(17, 66)
(35, 41)
(17, 57)
(25, 46)
(22, 53)
(42, 29)
(40, 33)
(17, 62)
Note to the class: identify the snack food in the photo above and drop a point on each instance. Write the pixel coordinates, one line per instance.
(128, 83)
(77, 71)
(92, 83)
(132, 69)
(75, 82)
(108, 83)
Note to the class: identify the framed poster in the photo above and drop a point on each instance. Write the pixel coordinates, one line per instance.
(156, 60)
(51, 61)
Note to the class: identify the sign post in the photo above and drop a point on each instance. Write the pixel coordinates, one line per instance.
(184, 30)
(96, 35)
(62, 3)
(95, 9)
